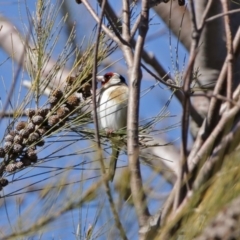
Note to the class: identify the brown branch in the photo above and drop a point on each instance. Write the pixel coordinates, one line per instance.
(104, 28)
(126, 47)
(227, 145)
(222, 15)
(138, 195)
(180, 192)
(215, 105)
(229, 50)
(160, 79)
(126, 20)
(219, 88)
(135, 26)
(97, 136)
(94, 85)
(208, 144)
(236, 95)
(196, 33)
(218, 96)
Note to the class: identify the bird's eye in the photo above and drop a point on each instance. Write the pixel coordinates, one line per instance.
(107, 77)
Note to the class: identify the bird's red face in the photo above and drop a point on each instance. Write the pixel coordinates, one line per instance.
(106, 78)
(110, 78)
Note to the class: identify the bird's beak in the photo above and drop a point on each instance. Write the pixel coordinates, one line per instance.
(100, 78)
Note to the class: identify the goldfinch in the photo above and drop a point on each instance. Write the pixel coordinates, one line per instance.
(112, 110)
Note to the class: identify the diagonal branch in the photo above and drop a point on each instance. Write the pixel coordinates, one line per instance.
(104, 27)
(181, 190)
(227, 145)
(214, 107)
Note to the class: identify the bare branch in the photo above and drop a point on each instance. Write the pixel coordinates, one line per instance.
(215, 105)
(227, 145)
(95, 117)
(126, 20)
(181, 191)
(104, 28)
(94, 85)
(222, 14)
(218, 96)
(229, 51)
(208, 144)
(139, 197)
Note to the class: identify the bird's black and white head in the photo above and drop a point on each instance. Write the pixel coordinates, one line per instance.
(111, 79)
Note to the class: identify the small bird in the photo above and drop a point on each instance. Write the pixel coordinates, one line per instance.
(112, 110)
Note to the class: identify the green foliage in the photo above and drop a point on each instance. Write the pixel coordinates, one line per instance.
(206, 202)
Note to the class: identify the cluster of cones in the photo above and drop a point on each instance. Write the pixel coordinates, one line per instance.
(20, 144)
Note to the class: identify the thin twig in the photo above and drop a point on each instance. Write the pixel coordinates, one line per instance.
(218, 96)
(160, 79)
(229, 45)
(94, 85)
(222, 15)
(113, 20)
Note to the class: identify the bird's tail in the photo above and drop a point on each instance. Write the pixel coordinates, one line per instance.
(113, 162)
